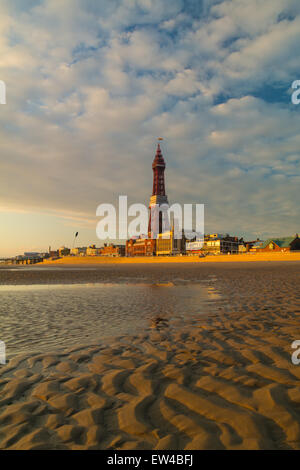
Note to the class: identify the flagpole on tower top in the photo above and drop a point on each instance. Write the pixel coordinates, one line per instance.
(159, 139)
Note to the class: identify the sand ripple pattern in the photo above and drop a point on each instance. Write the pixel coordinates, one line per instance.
(222, 381)
(210, 387)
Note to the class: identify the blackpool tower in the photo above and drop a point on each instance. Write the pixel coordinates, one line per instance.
(159, 196)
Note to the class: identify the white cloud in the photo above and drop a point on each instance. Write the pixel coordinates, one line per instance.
(90, 85)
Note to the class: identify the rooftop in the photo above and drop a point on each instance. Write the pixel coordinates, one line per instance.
(283, 242)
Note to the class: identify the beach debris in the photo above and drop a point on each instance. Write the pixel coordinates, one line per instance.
(159, 322)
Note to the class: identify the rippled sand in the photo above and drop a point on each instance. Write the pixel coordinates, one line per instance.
(224, 380)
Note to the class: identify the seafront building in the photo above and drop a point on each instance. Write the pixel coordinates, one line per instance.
(63, 251)
(106, 250)
(215, 244)
(78, 251)
(92, 250)
(283, 244)
(195, 246)
(250, 246)
(52, 253)
(28, 258)
(141, 247)
(167, 244)
(255, 246)
(220, 244)
(112, 250)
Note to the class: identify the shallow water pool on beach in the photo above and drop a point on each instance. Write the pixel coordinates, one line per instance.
(44, 318)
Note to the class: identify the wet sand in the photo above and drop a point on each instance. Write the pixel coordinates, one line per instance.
(161, 272)
(222, 381)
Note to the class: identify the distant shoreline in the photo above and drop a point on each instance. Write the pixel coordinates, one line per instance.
(174, 259)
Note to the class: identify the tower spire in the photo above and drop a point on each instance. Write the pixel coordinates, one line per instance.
(159, 196)
(158, 167)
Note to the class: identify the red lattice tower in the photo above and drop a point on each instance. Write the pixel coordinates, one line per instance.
(159, 196)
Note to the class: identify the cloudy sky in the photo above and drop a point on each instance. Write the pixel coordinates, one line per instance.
(91, 84)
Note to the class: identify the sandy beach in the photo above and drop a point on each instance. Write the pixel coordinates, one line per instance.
(224, 380)
(84, 260)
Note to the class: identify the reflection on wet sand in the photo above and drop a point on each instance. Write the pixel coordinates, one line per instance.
(45, 317)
